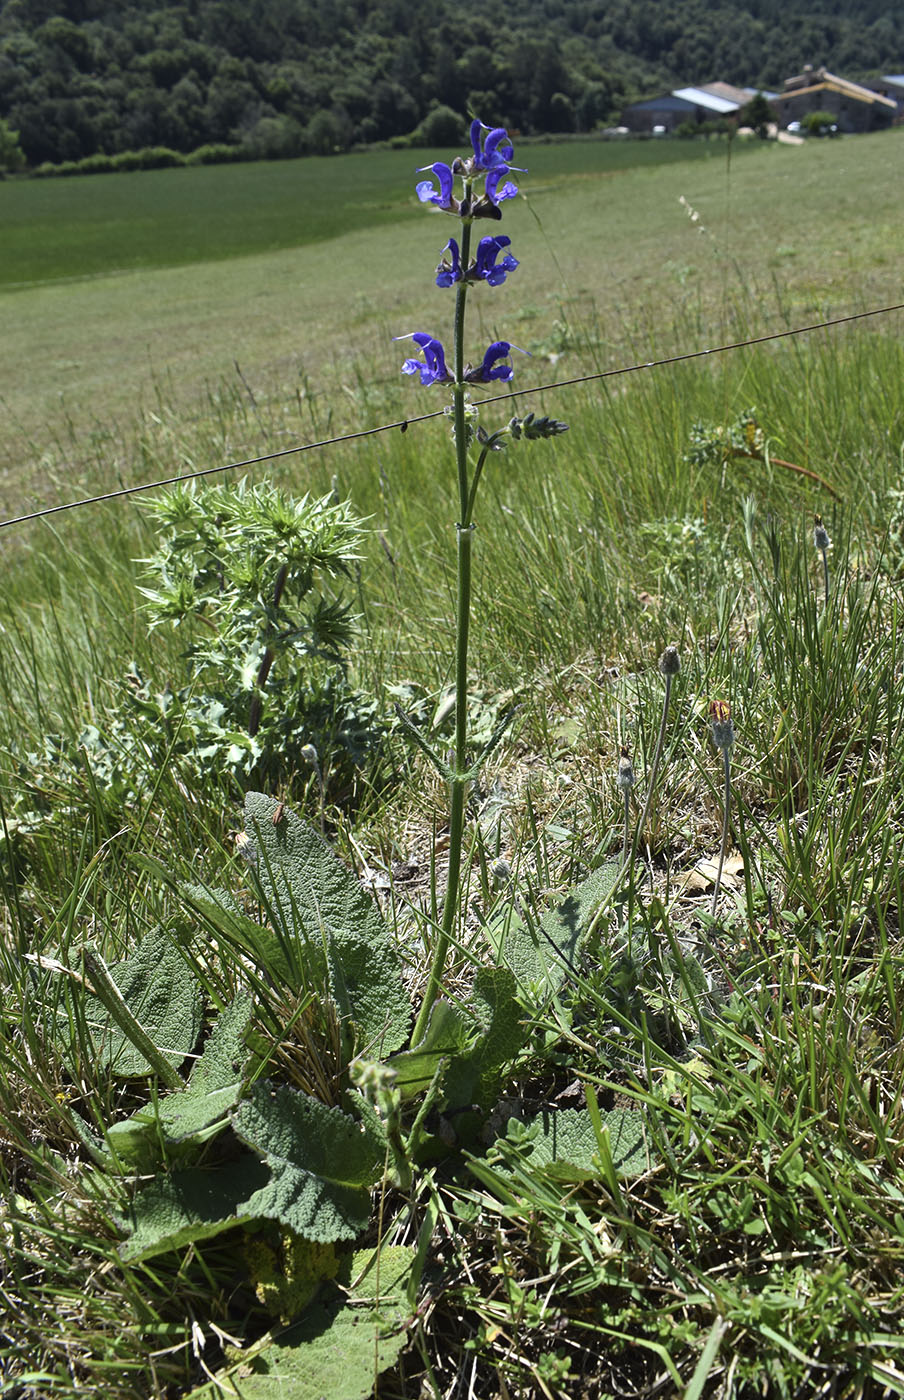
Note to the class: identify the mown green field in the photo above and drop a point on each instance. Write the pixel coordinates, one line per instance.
(94, 226)
(652, 1145)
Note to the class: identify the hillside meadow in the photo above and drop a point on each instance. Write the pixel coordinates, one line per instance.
(651, 1142)
(309, 278)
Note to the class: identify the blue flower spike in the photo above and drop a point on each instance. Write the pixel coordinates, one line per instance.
(432, 369)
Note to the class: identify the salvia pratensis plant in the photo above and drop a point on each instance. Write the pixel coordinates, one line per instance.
(471, 188)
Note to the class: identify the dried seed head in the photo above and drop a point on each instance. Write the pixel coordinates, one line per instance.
(721, 724)
(625, 771)
(820, 535)
(670, 662)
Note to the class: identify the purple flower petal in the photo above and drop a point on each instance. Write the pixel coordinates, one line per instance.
(494, 194)
(433, 368)
(447, 273)
(428, 194)
(490, 369)
(491, 156)
(486, 266)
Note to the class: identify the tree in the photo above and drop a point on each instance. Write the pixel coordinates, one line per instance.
(757, 114)
(820, 123)
(12, 156)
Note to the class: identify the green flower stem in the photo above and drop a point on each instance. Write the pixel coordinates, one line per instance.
(726, 813)
(458, 780)
(654, 771)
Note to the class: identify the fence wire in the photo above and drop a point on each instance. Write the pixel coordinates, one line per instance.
(402, 424)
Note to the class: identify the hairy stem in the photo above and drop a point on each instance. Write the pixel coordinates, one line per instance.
(654, 771)
(458, 782)
(726, 811)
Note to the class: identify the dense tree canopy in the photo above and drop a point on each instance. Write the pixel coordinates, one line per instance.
(281, 77)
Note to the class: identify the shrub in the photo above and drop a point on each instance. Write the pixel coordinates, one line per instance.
(441, 127)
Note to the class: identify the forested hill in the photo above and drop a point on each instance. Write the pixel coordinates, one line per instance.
(286, 76)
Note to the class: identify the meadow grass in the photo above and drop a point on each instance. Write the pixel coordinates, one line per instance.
(759, 1252)
(622, 274)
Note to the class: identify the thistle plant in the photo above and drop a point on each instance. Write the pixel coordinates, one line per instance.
(472, 188)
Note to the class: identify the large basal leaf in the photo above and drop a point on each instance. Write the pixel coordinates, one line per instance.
(194, 1113)
(340, 1346)
(475, 1076)
(543, 958)
(216, 1080)
(322, 1162)
(320, 903)
(447, 1032)
(563, 1143)
(260, 944)
(163, 997)
(179, 1208)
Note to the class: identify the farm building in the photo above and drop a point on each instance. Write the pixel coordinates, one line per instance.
(855, 108)
(890, 85)
(689, 104)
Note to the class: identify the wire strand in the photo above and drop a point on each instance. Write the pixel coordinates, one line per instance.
(403, 423)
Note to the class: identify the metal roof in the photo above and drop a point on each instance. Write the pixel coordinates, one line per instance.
(705, 99)
(670, 103)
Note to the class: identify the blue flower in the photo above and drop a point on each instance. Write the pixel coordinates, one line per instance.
(442, 197)
(494, 194)
(494, 155)
(490, 370)
(433, 367)
(486, 266)
(449, 272)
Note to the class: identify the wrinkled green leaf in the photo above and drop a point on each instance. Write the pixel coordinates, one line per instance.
(563, 1143)
(447, 1032)
(196, 1112)
(322, 1163)
(319, 903)
(260, 944)
(162, 996)
(475, 1076)
(340, 1346)
(543, 958)
(179, 1208)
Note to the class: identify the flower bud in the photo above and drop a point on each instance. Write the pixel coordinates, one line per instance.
(721, 725)
(670, 662)
(820, 535)
(501, 872)
(625, 771)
